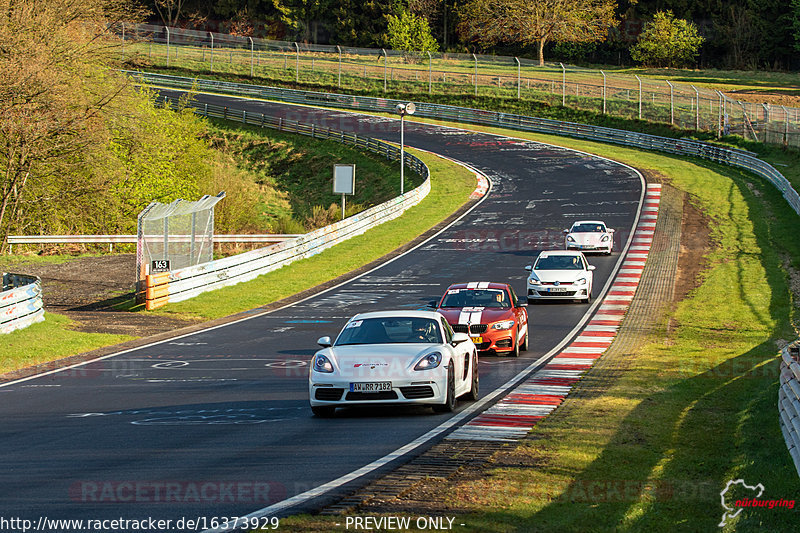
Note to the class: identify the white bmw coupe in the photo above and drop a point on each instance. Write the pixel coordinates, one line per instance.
(397, 357)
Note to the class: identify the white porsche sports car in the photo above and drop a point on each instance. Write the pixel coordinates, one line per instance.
(560, 274)
(398, 357)
(589, 236)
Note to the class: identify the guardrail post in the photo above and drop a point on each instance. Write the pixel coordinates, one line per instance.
(212, 51)
(476, 74)
(786, 128)
(123, 41)
(604, 91)
(339, 48)
(519, 75)
(385, 67)
(563, 85)
(297, 64)
(640, 95)
(671, 103)
(251, 56)
(167, 29)
(430, 73)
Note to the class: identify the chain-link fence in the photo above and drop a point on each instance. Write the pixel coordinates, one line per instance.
(618, 95)
(173, 236)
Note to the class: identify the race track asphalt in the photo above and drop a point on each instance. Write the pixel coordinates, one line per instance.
(217, 423)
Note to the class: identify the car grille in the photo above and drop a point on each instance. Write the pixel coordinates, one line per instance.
(360, 396)
(483, 345)
(474, 328)
(417, 392)
(328, 394)
(504, 343)
(556, 282)
(545, 293)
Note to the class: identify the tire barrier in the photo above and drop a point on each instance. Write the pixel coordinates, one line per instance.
(789, 400)
(684, 147)
(20, 302)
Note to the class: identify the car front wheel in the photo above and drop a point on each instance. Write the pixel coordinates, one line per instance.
(449, 404)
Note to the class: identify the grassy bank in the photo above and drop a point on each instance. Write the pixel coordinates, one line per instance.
(695, 407)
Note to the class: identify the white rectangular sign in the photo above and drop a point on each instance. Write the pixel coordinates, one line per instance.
(344, 179)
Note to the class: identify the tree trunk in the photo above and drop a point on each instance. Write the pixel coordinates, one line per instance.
(541, 51)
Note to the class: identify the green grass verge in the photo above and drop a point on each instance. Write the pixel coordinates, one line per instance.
(47, 341)
(696, 407)
(451, 185)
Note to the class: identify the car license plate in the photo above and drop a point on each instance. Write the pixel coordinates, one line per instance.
(477, 340)
(378, 386)
(557, 289)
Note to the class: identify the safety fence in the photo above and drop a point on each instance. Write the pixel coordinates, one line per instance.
(620, 95)
(789, 400)
(683, 147)
(182, 284)
(20, 302)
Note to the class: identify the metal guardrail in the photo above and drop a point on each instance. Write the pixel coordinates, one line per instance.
(684, 147)
(20, 302)
(186, 283)
(131, 239)
(789, 400)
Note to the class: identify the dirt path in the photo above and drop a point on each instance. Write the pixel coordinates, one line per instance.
(85, 289)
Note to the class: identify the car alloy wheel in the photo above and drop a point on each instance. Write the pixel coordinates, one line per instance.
(449, 404)
(473, 393)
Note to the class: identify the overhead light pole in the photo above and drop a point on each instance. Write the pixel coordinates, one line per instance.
(403, 110)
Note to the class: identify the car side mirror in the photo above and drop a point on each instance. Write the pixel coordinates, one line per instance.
(590, 267)
(566, 231)
(610, 230)
(458, 338)
(522, 303)
(528, 268)
(433, 303)
(325, 342)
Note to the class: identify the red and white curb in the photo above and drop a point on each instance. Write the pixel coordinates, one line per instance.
(516, 414)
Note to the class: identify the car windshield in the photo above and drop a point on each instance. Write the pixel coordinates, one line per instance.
(476, 298)
(390, 330)
(588, 228)
(559, 262)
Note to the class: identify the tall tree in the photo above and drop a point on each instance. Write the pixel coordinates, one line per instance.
(489, 22)
(667, 42)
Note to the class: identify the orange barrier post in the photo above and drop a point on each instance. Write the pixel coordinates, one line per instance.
(157, 291)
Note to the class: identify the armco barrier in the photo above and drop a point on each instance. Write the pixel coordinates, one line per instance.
(20, 302)
(189, 282)
(737, 158)
(789, 400)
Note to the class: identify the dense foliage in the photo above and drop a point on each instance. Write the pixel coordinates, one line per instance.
(667, 42)
(81, 150)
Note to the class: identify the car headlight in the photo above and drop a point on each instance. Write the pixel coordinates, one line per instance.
(580, 281)
(534, 281)
(570, 239)
(322, 364)
(432, 360)
(505, 324)
(604, 238)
